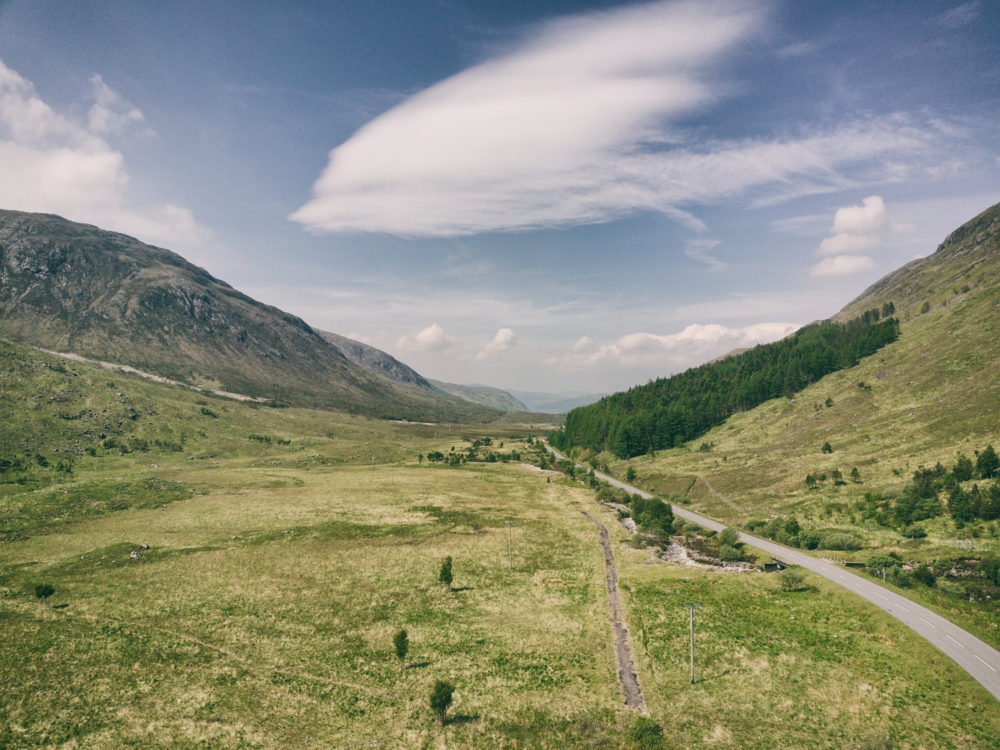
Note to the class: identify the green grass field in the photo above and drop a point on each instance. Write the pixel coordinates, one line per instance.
(278, 570)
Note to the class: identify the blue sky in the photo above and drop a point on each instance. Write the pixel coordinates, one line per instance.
(533, 195)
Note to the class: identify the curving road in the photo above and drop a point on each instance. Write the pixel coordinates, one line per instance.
(976, 657)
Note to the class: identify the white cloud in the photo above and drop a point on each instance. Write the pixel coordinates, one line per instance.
(505, 340)
(699, 250)
(868, 218)
(846, 243)
(110, 113)
(577, 125)
(842, 265)
(431, 339)
(695, 344)
(53, 164)
(854, 229)
(960, 15)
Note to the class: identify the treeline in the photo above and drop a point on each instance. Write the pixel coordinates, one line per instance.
(671, 411)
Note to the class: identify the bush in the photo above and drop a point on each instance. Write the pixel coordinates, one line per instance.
(444, 576)
(898, 577)
(728, 537)
(809, 539)
(838, 540)
(441, 698)
(729, 554)
(950, 587)
(827, 448)
(924, 575)
(43, 591)
(914, 531)
(791, 579)
(645, 734)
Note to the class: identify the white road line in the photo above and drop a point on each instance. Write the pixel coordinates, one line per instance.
(954, 641)
(882, 595)
(903, 608)
(985, 662)
(927, 622)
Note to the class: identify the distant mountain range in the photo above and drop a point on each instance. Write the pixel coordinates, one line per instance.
(72, 287)
(556, 403)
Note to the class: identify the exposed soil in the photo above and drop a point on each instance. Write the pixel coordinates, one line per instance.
(623, 652)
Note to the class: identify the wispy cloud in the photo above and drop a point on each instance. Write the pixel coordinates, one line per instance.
(55, 164)
(504, 341)
(700, 251)
(960, 15)
(696, 343)
(580, 124)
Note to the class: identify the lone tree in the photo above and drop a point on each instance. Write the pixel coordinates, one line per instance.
(445, 575)
(441, 699)
(402, 643)
(43, 591)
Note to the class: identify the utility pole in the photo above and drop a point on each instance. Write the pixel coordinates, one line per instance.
(691, 608)
(510, 554)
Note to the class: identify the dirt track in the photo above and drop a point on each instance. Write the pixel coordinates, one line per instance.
(623, 652)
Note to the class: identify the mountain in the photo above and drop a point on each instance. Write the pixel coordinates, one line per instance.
(72, 287)
(376, 361)
(556, 403)
(494, 398)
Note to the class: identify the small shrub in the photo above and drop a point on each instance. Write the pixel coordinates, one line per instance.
(838, 540)
(441, 698)
(729, 554)
(645, 734)
(209, 413)
(924, 575)
(791, 579)
(827, 448)
(950, 588)
(729, 537)
(43, 591)
(444, 576)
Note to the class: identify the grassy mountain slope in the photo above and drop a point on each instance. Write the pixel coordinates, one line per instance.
(494, 398)
(923, 399)
(73, 287)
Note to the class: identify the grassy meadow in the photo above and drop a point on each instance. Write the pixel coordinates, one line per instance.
(238, 584)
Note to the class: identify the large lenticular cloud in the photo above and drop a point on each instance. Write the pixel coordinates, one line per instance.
(576, 125)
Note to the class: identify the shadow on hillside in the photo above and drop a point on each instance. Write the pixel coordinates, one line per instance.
(418, 665)
(713, 677)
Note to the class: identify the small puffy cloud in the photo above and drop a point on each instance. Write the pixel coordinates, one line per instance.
(695, 344)
(502, 342)
(431, 339)
(54, 164)
(846, 243)
(868, 218)
(855, 229)
(842, 265)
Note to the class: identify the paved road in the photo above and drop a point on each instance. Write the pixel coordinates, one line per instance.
(976, 657)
